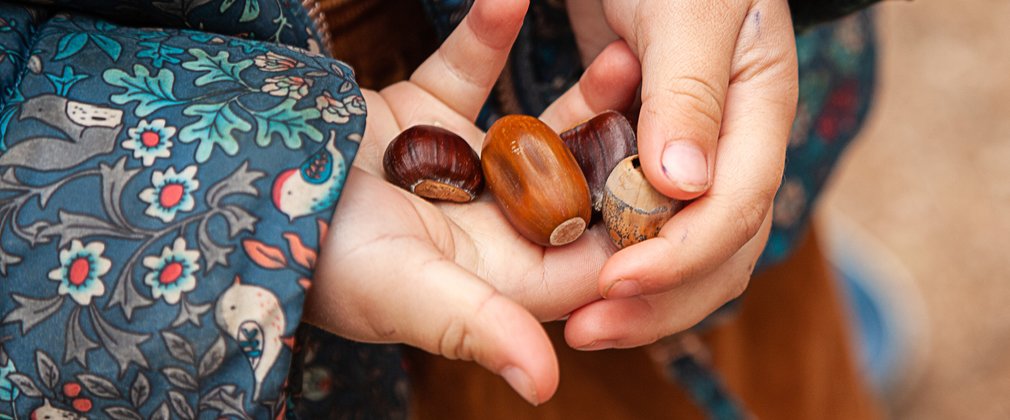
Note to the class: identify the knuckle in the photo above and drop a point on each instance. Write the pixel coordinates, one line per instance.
(695, 98)
(457, 339)
(750, 214)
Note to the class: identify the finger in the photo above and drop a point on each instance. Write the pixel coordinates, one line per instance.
(761, 104)
(463, 70)
(590, 26)
(641, 320)
(686, 50)
(610, 82)
(423, 299)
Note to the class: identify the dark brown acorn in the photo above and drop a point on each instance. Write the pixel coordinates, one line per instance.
(598, 145)
(632, 210)
(536, 180)
(434, 163)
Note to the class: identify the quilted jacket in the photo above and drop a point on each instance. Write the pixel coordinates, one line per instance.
(163, 189)
(167, 169)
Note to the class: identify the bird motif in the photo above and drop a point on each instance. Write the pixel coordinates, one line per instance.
(90, 130)
(253, 317)
(313, 186)
(48, 412)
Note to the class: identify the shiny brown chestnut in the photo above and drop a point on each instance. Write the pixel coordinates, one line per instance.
(434, 163)
(598, 145)
(632, 209)
(536, 180)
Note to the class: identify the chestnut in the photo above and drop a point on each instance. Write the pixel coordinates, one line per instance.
(434, 163)
(598, 145)
(632, 209)
(536, 180)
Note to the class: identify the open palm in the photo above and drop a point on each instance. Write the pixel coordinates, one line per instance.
(457, 279)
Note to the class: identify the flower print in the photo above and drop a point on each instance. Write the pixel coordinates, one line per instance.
(150, 140)
(355, 104)
(172, 272)
(339, 111)
(291, 86)
(81, 270)
(170, 193)
(332, 109)
(273, 62)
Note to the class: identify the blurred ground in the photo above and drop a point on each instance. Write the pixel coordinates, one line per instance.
(929, 180)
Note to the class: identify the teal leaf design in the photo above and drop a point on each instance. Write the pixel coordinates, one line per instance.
(151, 93)
(225, 5)
(63, 82)
(291, 124)
(70, 44)
(216, 125)
(105, 26)
(217, 67)
(109, 46)
(159, 53)
(251, 11)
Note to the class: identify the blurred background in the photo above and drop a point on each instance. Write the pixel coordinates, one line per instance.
(926, 191)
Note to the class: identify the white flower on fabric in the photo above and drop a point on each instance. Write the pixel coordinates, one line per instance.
(150, 141)
(291, 86)
(81, 270)
(273, 62)
(338, 111)
(171, 192)
(172, 272)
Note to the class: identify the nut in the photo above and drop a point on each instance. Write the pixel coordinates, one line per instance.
(598, 145)
(536, 180)
(434, 163)
(632, 210)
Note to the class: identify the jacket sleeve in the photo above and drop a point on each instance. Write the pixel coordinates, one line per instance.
(163, 193)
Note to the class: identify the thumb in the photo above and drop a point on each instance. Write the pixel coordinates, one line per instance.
(686, 60)
(397, 288)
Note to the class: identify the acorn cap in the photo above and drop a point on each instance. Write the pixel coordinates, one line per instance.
(632, 209)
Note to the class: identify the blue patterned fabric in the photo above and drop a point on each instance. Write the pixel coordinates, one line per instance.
(163, 193)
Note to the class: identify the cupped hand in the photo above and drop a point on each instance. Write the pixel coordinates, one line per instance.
(456, 279)
(718, 97)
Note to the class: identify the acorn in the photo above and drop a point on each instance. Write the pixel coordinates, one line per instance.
(536, 180)
(598, 145)
(632, 209)
(434, 163)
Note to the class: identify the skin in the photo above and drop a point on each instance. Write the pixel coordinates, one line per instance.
(457, 280)
(718, 98)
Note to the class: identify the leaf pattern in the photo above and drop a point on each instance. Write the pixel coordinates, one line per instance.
(265, 256)
(216, 126)
(216, 68)
(98, 386)
(178, 347)
(134, 297)
(150, 92)
(140, 390)
(287, 123)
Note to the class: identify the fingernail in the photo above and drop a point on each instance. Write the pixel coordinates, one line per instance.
(685, 165)
(598, 345)
(623, 289)
(521, 383)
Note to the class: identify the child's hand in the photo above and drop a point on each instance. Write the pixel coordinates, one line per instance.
(718, 98)
(456, 279)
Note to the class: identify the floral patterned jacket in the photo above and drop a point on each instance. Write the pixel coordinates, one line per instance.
(162, 195)
(164, 186)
